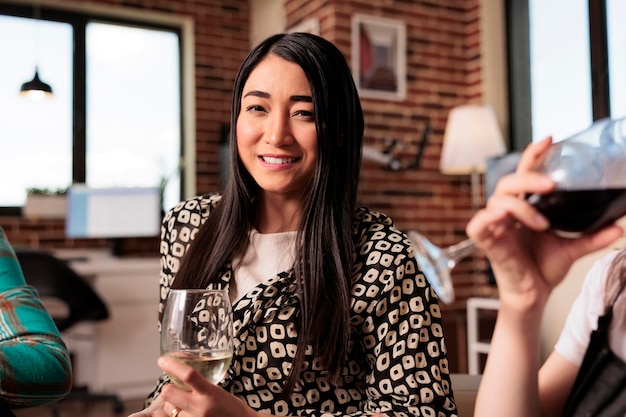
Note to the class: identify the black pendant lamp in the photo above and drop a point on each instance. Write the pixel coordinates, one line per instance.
(35, 88)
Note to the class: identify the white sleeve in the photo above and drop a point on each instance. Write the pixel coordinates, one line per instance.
(583, 316)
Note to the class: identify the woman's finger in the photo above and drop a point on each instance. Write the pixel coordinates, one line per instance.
(486, 224)
(595, 241)
(524, 183)
(501, 213)
(171, 410)
(533, 154)
(205, 398)
(192, 378)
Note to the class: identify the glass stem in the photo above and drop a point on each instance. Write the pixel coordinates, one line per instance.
(459, 251)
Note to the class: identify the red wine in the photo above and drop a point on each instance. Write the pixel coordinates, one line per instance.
(581, 211)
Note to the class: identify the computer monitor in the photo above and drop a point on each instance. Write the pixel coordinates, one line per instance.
(113, 212)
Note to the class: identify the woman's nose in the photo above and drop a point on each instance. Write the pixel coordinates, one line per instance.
(278, 131)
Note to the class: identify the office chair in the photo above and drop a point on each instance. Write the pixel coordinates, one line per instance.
(53, 278)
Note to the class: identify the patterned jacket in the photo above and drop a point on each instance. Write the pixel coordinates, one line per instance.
(34, 362)
(397, 361)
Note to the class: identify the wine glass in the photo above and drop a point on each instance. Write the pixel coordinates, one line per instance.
(589, 169)
(197, 329)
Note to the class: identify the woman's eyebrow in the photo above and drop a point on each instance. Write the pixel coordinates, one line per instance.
(307, 99)
(257, 93)
(263, 94)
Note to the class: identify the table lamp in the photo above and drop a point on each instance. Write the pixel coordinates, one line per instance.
(471, 137)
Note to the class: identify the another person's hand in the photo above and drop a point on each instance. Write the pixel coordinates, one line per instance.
(527, 259)
(205, 399)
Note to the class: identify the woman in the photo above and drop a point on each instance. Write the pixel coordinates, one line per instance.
(528, 262)
(331, 314)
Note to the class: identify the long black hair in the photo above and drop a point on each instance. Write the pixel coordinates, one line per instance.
(325, 246)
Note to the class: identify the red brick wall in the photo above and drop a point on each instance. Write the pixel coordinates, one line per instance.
(443, 70)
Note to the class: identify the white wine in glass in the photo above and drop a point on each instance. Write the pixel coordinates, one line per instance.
(197, 329)
(589, 169)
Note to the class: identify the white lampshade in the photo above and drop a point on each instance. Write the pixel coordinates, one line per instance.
(471, 137)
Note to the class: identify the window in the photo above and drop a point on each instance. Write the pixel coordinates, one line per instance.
(116, 116)
(559, 68)
(36, 136)
(615, 12)
(133, 102)
(566, 69)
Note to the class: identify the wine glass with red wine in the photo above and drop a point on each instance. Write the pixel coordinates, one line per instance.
(589, 169)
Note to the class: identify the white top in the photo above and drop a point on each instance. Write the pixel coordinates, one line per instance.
(583, 316)
(267, 255)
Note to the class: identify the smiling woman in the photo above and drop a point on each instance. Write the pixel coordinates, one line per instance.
(330, 311)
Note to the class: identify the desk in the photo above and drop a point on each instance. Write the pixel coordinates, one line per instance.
(118, 355)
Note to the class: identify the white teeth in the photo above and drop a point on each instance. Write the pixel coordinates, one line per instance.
(271, 160)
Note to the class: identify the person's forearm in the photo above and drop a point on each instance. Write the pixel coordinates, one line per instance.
(509, 382)
(35, 364)
(41, 373)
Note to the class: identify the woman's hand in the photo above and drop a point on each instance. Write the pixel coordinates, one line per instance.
(528, 260)
(204, 400)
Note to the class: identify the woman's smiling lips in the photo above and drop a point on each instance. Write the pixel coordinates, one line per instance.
(277, 162)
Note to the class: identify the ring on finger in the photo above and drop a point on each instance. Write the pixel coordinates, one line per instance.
(175, 411)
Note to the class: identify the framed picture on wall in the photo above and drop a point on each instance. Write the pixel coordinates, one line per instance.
(379, 57)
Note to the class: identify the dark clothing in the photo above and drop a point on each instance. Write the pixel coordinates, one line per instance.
(600, 387)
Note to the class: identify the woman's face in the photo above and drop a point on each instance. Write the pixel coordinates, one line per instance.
(276, 136)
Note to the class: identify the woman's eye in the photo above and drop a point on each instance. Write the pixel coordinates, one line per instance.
(305, 114)
(255, 108)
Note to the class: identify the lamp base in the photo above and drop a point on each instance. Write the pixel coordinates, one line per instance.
(476, 196)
